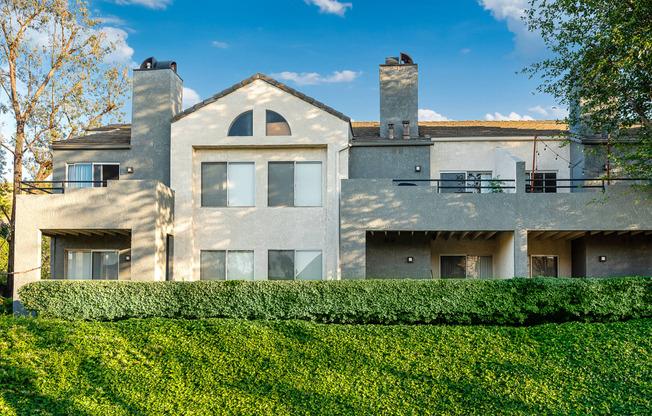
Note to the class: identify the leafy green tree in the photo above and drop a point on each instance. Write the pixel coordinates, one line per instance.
(601, 67)
(56, 80)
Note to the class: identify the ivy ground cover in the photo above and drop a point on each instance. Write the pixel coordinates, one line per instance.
(236, 367)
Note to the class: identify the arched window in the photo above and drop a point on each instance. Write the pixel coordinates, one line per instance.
(243, 125)
(277, 125)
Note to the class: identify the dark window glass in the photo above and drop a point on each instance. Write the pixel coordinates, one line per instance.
(453, 267)
(213, 184)
(281, 184)
(105, 173)
(453, 183)
(105, 265)
(276, 125)
(243, 125)
(479, 267)
(212, 265)
(544, 266)
(543, 183)
(280, 265)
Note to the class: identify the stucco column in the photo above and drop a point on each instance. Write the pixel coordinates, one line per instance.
(28, 250)
(353, 254)
(520, 253)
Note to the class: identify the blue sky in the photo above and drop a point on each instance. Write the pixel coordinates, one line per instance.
(468, 50)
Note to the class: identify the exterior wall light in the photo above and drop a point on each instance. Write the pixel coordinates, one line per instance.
(410, 259)
(127, 258)
(130, 169)
(602, 259)
(417, 168)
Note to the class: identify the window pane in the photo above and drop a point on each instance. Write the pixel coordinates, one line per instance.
(241, 265)
(80, 172)
(309, 265)
(243, 125)
(110, 172)
(479, 267)
(277, 125)
(212, 265)
(280, 265)
(213, 184)
(241, 184)
(308, 184)
(105, 265)
(455, 182)
(280, 184)
(544, 266)
(79, 265)
(453, 267)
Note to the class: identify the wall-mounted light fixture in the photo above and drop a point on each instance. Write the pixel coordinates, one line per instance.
(417, 168)
(410, 259)
(130, 169)
(602, 259)
(127, 258)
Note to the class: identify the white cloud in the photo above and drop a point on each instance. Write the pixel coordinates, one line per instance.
(431, 115)
(331, 6)
(219, 44)
(113, 20)
(190, 97)
(550, 112)
(313, 78)
(511, 117)
(465, 51)
(123, 52)
(151, 4)
(511, 11)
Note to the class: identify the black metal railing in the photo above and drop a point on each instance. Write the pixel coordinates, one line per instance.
(56, 187)
(463, 186)
(551, 185)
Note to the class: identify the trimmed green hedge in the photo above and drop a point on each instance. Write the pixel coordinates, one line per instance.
(5, 306)
(509, 301)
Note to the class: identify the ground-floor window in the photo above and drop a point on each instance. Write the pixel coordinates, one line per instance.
(466, 267)
(295, 264)
(544, 266)
(92, 264)
(226, 265)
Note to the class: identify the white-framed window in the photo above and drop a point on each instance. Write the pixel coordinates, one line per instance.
(226, 265)
(294, 184)
(92, 264)
(243, 125)
(546, 266)
(295, 265)
(95, 173)
(466, 266)
(465, 182)
(543, 182)
(228, 184)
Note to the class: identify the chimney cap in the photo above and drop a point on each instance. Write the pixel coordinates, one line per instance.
(152, 63)
(392, 60)
(406, 59)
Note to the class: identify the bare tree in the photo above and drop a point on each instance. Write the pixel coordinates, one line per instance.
(57, 81)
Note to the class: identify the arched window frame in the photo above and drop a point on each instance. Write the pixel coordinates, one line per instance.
(235, 120)
(267, 124)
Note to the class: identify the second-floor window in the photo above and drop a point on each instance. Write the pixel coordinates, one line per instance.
(465, 182)
(227, 184)
(294, 184)
(86, 175)
(542, 182)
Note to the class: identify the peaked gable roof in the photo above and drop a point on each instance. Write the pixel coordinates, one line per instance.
(270, 81)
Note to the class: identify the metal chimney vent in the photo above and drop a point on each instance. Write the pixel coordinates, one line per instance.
(406, 59)
(391, 61)
(152, 63)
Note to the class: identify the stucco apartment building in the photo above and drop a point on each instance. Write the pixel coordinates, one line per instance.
(262, 182)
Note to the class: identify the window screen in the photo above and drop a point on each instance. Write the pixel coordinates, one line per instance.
(453, 267)
(213, 184)
(280, 184)
(243, 125)
(280, 265)
(240, 184)
(308, 265)
(544, 266)
(212, 265)
(240, 265)
(308, 184)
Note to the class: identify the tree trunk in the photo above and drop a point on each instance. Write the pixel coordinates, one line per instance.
(18, 177)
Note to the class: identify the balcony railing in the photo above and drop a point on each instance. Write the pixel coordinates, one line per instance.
(463, 186)
(552, 185)
(56, 187)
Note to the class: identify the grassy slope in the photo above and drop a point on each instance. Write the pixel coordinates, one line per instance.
(236, 367)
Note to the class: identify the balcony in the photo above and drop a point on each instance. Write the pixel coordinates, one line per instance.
(56, 187)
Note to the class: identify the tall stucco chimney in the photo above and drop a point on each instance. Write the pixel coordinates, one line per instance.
(157, 95)
(399, 90)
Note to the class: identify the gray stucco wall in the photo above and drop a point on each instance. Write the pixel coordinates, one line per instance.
(389, 162)
(374, 204)
(61, 157)
(399, 99)
(626, 256)
(387, 256)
